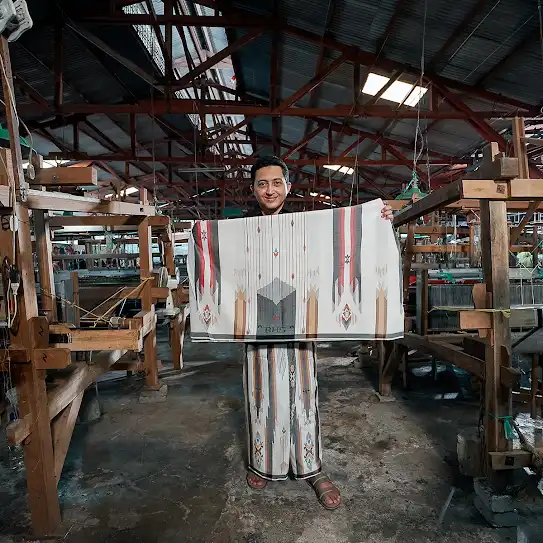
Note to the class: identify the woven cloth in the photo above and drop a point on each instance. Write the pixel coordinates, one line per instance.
(329, 275)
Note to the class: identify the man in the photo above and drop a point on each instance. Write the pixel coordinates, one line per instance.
(283, 427)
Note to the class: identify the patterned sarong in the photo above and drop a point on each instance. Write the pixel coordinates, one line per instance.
(328, 275)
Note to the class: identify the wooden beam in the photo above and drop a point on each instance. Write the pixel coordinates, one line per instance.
(456, 249)
(51, 358)
(62, 429)
(517, 230)
(177, 335)
(45, 265)
(94, 339)
(428, 230)
(82, 376)
(495, 263)
(444, 351)
(149, 342)
(29, 381)
(58, 201)
(66, 177)
(475, 320)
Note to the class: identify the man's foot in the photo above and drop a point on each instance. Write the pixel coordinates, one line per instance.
(327, 493)
(256, 482)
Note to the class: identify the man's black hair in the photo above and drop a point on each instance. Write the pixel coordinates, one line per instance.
(265, 161)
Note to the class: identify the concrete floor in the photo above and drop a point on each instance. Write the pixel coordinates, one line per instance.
(174, 472)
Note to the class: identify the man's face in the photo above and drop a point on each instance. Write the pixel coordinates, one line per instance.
(271, 189)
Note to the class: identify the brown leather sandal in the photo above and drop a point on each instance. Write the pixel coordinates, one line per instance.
(254, 486)
(318, 484)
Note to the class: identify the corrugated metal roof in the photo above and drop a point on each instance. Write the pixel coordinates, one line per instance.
(494, 32)
(497, 29)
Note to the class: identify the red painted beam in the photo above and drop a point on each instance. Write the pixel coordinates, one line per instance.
(214, 160)
(480, 126)
(217, 57)
(230, 107)
(242, 19)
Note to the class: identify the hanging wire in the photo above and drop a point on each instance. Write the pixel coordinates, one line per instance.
(418, 133)
(540, 12)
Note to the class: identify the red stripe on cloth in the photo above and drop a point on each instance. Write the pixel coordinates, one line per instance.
(212, 274)
(341, 249)
(353, 249)
(200, 255)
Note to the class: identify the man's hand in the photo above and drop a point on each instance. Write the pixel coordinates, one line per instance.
(386, 212)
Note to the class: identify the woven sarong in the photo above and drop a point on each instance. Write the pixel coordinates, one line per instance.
(328, 275)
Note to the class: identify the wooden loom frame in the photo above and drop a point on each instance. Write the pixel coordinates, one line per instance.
(47, 418)
(507, 185)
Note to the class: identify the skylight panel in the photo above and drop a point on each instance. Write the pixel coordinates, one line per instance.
(399, 91)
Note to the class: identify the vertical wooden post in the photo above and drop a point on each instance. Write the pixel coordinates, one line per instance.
(178, 326)
(519, 145)
(535, 237)
(494, 241)
(146, 269)
(45, 264)
(168, 247)
(30, 382)
(407, 261)
(535, 384)
(422, 302)
(74, 276)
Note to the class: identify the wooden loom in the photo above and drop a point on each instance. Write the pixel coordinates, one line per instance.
(506, 186)
(48, 415)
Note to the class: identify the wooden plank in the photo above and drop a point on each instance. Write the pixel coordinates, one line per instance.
(484, 188)
(534, 391)
(474, 347)
(94, 339)
(6, 167)
(62, 429)
(444, 351)
(462, 205)
(57, 399)
(168, 252)
(519, 146)
(44, 252)
(474, 320)
(60, 201)
(452, 249)
(16, 356)
(428, 230)
(510, 377)
(74, 276)
(501, 167)
(160, 293)
(108, 220)
(149, 342)
(510, 460)
(526, 189)
(145, 321)
(437, 199)
(29, 381)
(66, 177)
(178, 326)
(51, 358)
(61, 329)
(495, 264)
(517, 230)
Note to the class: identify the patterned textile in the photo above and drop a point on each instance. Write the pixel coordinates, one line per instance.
(328, 275)
(281, 398)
